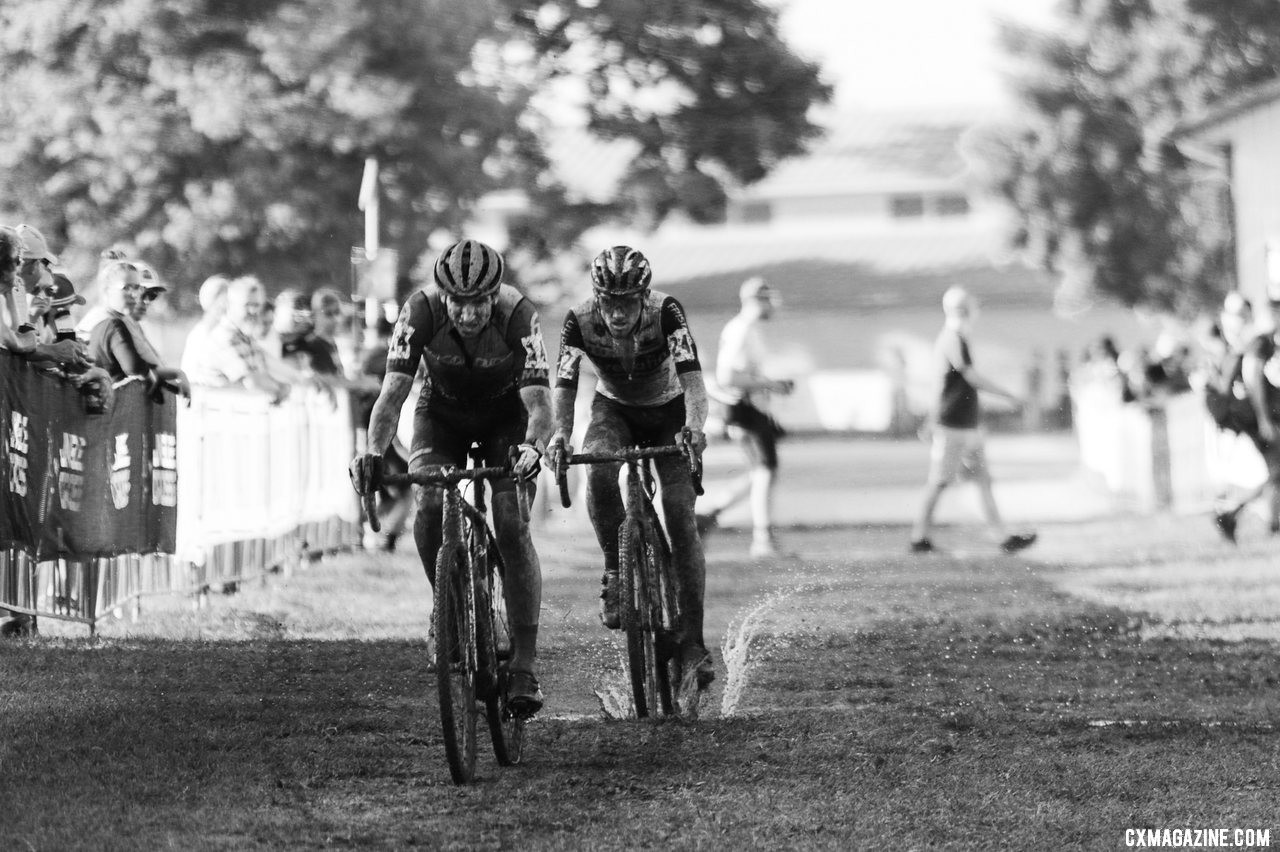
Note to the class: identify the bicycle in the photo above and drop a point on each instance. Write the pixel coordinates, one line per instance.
(470, 620)
(649, 592)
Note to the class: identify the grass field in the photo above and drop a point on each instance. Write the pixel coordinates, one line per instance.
(1120, 676)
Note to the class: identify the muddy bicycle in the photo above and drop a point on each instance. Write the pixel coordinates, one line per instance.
(470, 622)
(649, 591)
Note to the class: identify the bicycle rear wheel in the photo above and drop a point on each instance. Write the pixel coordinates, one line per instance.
(637, 552)
(456, 662)
(506, 729)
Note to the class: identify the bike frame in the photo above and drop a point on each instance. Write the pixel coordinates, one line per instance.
(469, 563)
(649, 593)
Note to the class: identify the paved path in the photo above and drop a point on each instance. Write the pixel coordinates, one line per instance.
(836, 482)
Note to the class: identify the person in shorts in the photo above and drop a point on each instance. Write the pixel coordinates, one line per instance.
(745, 388)
(650, 391)
(486, 383)
(958, 449)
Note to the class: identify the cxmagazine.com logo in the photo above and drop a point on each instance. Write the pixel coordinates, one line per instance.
(1198, 838)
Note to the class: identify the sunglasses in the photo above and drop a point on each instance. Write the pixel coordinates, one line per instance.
(149, 296)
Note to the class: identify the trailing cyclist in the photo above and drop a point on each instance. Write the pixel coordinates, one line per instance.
(487, 383)
(650, 390)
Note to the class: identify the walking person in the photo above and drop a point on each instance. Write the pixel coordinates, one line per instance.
(1260, 370)
(742, 378)
(1227, 398)
(958, 441)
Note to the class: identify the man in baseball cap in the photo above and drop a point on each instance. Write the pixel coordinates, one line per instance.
(34, 245)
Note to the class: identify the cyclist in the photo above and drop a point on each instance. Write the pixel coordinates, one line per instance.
(487, 382)
(650, 390)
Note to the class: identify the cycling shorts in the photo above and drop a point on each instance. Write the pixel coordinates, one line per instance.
(615, 426)
(443, 433)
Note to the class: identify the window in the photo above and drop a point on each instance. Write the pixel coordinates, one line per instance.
(906, 206)
(951, 205)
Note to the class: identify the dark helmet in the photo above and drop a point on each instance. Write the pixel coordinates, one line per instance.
(620, 271)
(469, 269)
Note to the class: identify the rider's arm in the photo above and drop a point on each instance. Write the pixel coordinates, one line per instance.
(404, 352)
(386, 411)
(564, 400)
(695, 400)
(537, 401)
(568, 365)
(535, 389)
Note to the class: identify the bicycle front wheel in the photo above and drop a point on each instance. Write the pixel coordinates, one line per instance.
(456, 662)
(641, 619)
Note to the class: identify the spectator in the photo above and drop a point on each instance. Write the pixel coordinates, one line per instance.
(1227, 399)
(957, 437)
(26, 258)
(1259, 370)
(50, 313)
(232, 356)
(213, 301)
(117, 343)
(741, 374)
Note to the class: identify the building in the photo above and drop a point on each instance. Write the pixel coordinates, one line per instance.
(1241, 136)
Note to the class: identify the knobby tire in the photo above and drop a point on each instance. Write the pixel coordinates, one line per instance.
(456, 662)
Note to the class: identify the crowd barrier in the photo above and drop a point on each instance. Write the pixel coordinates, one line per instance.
(257, 487)
(1165, 454)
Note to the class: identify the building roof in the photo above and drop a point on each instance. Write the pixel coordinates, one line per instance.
(862, 151)
(884, 247)
(1208, 124)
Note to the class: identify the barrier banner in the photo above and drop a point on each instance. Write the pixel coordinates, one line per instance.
(84, 486)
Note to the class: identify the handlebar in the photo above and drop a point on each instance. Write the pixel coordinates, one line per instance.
(445, 475)
(631, 454)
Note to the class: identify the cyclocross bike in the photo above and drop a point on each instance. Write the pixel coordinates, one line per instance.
(649, 592)
(469, 619)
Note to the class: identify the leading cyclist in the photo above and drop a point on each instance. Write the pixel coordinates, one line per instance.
(650, 390)
(486, 382)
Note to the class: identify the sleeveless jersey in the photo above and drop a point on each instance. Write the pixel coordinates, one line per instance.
(507, 355)
(642, 369)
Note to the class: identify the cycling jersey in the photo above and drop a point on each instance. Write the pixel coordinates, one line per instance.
(642, 369)
(507, 355)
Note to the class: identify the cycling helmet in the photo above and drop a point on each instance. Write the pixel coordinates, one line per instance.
(469, 269)
(620, 271)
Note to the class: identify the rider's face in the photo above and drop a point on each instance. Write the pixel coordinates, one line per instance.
(469, 316)
(621, 313)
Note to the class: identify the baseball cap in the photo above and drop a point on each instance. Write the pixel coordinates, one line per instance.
(150, 279)
(64, 292)
(756, 287)
(34, 244)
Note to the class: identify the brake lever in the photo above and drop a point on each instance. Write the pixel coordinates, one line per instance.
(695, 463)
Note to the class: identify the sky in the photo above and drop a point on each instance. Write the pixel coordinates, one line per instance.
(908, 54)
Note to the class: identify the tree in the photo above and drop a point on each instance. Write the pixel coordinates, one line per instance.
(708, 89)
(230, 135)
(1103, 195)
(223, 135)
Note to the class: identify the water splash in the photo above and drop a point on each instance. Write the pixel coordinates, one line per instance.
(613, 687)
(737, 647)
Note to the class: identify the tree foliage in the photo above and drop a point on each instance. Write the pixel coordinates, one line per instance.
(231, 134)
(1104, 197)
